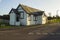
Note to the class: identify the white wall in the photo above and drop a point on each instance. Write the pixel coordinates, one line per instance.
(12, 19)
(17, 23)
(23, 21)
(39, 20)
(32, 22)
(28, 21)
(44, 19)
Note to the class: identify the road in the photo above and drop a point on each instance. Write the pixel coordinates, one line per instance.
(39, 32)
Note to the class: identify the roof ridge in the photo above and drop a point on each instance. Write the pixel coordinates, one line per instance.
(29, 7)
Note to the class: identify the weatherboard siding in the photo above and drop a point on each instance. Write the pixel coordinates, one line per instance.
(39, 20)
(44, 19)
(26, 20)
(23, 21)
(17, 23)
(32, 21)
(12, 19)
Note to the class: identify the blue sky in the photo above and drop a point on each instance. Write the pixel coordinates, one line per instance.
(46, 5)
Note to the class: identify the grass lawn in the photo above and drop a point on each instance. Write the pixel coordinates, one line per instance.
(54, 21)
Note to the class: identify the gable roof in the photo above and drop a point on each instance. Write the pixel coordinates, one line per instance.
(14, 10)
(29, 10)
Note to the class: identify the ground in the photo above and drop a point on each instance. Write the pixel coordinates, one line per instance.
(39, 32)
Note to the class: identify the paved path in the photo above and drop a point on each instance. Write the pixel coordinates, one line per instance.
(40, 32)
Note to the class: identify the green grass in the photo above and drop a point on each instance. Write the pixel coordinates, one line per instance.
(7, 27)
(54, 21)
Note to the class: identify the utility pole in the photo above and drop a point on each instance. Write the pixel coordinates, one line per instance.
(57, 12)
(57, 16)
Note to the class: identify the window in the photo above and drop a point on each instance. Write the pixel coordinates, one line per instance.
(20, 9)
(35, 18)
(17, 18)
(22, 15)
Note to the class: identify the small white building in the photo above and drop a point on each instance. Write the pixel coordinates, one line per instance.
(24, 15)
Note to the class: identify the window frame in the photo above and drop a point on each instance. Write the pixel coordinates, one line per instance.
(17, 18)
(35, 18)
(21, 12)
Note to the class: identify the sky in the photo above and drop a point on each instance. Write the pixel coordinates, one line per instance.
(49, 6)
